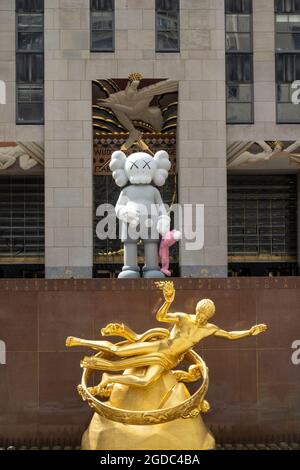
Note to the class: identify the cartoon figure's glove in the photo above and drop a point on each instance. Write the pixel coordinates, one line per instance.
(163, 224)
(129, 214)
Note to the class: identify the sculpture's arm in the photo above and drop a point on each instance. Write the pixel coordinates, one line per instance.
(234, 335)
(163, 314)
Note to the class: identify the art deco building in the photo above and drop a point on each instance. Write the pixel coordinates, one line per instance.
(237, 147)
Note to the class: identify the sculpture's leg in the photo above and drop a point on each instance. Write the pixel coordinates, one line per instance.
(130, 269)
(152, 374)
(105, 346)
(134, 134)
(151, 269)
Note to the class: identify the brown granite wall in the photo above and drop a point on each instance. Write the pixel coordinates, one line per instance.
(254, 389)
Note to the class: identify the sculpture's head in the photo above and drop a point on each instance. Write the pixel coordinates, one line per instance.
(205, 310)
(140, 168)
(134, 80)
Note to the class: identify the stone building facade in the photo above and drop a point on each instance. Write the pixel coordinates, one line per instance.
(203, 135)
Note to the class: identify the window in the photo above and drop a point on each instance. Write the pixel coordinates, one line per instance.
(22, 219)
(262, 218)
(167, 25)
(30, 61)
(239, 61)
(287, 58)
(102, 26)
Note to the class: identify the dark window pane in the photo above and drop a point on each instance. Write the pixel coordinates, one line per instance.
(30, 112)
(29, 6)
(284, 93)
(30, 104)
(238, 42)
(30, 68)
(30, 41)
(244, 23)
(238, 6)
(288, 68)
(288, 112)
(239, 113)
(288, 23)
(239, 68)
(102, 21)
(167, 5)
(102, 41)
(288, 42)
(238, 23)
(167, 41)
(167, 21)
(30, 23)
(287, 6)
(32, 94)
(239, 93)
(102, 25)
(98, 5)
(232, 23)
(167, 25)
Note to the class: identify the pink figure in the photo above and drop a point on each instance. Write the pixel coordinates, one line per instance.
(167, 241)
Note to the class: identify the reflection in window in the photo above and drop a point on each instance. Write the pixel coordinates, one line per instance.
(287, 58)
(167, 25)
(30, 61)
(239, 61)
(238, 33)
(102, 25)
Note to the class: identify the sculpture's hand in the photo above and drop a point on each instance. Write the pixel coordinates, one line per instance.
(71, 341)
(257, 329)
(168, 290)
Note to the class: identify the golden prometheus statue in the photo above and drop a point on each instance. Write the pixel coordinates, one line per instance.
(148, 406)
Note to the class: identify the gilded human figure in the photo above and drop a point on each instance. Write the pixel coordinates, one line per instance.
(146, 405)
(158, 355)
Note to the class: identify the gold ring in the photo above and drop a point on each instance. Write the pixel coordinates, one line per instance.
(190, 408)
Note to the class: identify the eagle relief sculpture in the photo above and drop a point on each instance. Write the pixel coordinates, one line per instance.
(146, 405)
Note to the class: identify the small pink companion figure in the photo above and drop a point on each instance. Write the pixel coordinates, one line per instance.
(167, 241)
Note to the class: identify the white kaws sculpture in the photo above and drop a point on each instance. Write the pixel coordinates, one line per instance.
(140, 208)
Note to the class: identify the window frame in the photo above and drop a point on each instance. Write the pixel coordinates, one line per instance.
(18, 50)
(277, 33)
(164, 51)
(282, 53)
(277, 83)
(249, 53)
(31, 52)
(113, 30)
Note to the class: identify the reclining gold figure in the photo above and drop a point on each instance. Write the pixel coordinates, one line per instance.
(148, 358)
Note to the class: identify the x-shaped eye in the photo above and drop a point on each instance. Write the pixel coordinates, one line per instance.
(134, 164)
(147, 164)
